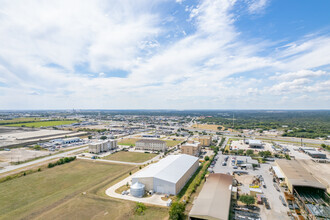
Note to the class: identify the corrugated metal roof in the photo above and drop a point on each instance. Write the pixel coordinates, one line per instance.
(213, 202)
(298, 175)
(278, 172)
(170, 169)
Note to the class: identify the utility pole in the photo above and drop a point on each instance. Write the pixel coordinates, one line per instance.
(233, 121)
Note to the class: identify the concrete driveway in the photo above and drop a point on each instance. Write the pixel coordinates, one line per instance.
(155, 199)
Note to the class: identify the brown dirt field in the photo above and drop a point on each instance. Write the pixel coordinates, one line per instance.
(207, 127)
(244, 179)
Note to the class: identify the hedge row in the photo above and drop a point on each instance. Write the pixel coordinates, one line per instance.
(61, 161)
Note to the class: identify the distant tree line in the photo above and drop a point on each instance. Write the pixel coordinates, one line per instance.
(304, 124)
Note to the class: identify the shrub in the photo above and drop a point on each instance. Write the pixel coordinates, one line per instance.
(140, 208)
(177, 211)
(240, 152)
(103, 137)
(246, 199)
(249, 152)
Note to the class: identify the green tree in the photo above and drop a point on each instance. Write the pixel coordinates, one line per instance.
(177, 211)
(249, 152)
(323, 146)
(37, 147)
(207, 158)
(240, 152)
(103, 137)
(265, 154)
(246, 199)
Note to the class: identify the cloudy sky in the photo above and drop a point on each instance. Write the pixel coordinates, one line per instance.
(162, 54)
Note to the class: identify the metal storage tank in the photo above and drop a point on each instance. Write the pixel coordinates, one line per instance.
(137, 189)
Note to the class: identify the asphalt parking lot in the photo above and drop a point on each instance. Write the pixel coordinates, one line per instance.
(277, 209)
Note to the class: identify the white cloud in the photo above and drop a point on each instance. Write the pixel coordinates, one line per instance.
(298, 74)
(56, 57)
(257, 6)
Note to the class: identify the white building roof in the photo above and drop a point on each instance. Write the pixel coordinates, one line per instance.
(195, 144)
(278, 172)
(170, 169)
(137, 185)
(257, 142)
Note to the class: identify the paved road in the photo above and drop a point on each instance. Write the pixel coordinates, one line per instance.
(224, 143)
(277, 211)
(14, 167)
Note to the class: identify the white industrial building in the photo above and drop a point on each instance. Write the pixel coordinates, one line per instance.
(102, 146)
(255, 143)
(150, 144)
(66, 140)
(169, 175)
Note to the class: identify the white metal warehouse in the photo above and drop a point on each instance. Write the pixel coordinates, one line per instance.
(169, 175)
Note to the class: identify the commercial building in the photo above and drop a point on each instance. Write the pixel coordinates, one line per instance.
(192, 148)
(66, 140)
(149, 144)
(205, 141)
(102, 146)
(169, 175)
(255, 144)
(71, 140)
(296, 176)
(213, 202)
(309, 192)
(316, 154)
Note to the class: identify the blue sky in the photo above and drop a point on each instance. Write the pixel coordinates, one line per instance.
(212, 54)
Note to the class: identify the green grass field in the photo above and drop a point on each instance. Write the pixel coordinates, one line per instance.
(17, 120)
(134, 157)
(71, 191)
(42, 123)
(171, 143)
(128, 141)
(31, 195)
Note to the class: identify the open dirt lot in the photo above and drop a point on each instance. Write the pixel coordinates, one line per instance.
(19, 137)
(19, 154)
(241, 145)
(207, 127)
(71, 191)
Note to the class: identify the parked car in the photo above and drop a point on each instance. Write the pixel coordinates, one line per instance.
(282, 200)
